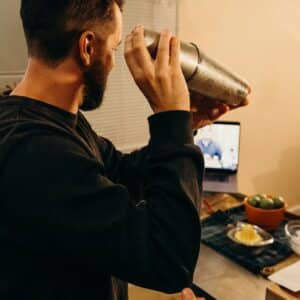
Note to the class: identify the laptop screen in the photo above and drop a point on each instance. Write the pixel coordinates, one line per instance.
(220, 143)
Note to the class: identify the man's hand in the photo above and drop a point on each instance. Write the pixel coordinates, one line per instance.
(206, 111)
(161, 80)
(187, 294)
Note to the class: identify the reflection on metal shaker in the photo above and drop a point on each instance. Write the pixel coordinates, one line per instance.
(203, 75)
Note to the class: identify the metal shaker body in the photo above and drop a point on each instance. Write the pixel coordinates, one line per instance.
(204, 75)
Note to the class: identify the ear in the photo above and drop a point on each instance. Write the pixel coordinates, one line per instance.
(87, 43)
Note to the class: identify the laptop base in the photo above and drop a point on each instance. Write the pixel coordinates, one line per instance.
(220, 183)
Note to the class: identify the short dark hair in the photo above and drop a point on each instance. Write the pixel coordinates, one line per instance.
(52, 26)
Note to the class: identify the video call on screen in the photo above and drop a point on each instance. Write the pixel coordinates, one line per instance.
(220, 145)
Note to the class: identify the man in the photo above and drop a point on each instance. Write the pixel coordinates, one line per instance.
(75, 213)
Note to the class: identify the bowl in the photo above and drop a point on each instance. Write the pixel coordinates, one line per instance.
(265, 237)
(292, 232)
(268, 219)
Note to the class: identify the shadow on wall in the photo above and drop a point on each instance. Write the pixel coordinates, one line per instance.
(284, 178)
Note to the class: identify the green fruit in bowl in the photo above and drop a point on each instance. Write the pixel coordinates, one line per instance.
(261, 196)
(266, 203)
(278, 202)
(254, 201)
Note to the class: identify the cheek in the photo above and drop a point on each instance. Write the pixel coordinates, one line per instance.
(110, 60)
(113, 59)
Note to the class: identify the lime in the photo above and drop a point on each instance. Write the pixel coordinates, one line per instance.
(266, 203)
(278, 202)
(254, 201)
(262, 196)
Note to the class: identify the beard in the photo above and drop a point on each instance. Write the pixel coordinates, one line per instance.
(95, 79)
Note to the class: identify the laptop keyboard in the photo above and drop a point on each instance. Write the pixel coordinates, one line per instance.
(217, 177)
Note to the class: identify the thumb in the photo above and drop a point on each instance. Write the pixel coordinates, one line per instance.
(187, 294)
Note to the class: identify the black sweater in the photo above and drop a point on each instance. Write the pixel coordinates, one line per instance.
(75, 213)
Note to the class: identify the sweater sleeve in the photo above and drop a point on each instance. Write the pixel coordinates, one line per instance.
(75, 212)
(168, 131)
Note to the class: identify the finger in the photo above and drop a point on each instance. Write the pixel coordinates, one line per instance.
(204, 102)
(194, 108)
(200, 119)
(163, 52)
(140, 51)
(201, 124)
(195, 96)
(242, 104)
(187, 294)
(128, 50)
(245, 102)
(218, 111)
(175, 53)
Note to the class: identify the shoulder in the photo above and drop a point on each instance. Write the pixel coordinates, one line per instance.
(49, 158)
(53, 145)
(49, 151)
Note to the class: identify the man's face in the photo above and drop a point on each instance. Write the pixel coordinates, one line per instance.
(95, 78)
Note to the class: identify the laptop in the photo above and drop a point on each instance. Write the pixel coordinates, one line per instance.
(220, 145)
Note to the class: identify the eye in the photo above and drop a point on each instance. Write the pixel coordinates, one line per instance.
(118, 46)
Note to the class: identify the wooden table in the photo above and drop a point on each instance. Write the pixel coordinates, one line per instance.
(275, 292)
(220, 276)
(217, 275)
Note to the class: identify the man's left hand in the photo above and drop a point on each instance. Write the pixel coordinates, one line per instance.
(206, 111)
(187, 294)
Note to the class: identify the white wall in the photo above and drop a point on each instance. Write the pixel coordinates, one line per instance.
(13, 54)
(259, 39)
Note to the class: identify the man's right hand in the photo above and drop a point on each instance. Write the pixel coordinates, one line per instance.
(161, 80)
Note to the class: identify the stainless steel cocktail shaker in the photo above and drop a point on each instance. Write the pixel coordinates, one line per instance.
(204, 75)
